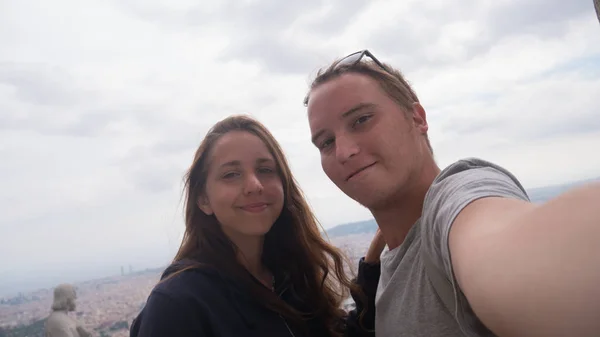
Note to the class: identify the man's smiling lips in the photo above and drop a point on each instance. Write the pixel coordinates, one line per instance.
(358, 171)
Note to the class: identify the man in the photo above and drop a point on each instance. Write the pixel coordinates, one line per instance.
(469, 254)
(59, 324)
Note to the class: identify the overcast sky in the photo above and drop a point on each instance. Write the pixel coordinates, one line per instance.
(103, 103)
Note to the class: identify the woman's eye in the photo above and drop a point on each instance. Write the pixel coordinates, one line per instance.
(230, 175)
(266, 170)
(362, 119)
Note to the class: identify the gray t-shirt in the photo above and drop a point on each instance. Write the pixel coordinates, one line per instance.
(406, 302)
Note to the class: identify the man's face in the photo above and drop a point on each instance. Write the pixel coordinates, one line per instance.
(370, 147)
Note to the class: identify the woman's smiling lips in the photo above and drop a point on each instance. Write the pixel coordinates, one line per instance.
(256, 207)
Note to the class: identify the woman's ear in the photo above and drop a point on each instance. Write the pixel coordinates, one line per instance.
(204, 205)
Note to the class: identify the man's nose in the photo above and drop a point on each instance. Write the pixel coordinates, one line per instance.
(345, 148)
(252, 184)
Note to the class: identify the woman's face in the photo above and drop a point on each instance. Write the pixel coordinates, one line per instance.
(243, 187)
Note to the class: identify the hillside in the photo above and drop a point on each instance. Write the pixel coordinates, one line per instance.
(35, 329)
(360, 227)
(542, 194)
(537, 195)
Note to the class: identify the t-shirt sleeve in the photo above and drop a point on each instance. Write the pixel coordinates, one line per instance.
(457, 187)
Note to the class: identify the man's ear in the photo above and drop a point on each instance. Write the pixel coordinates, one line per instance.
(204, 205)
(420, 118)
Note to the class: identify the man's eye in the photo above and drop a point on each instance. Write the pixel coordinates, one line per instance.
(326, 143)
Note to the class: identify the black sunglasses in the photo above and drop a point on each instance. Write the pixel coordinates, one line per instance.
(352, 60)
(355, 58)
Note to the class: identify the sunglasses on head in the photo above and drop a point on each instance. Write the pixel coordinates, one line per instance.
(352, 60)
(355, 58)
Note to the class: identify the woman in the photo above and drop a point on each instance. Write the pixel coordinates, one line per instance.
(252, 261)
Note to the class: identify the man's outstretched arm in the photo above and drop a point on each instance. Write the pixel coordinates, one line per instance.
(531, 270)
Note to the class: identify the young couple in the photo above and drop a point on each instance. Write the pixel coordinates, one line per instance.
(469, 254)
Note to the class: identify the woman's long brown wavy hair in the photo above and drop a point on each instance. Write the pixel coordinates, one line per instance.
(294, 246)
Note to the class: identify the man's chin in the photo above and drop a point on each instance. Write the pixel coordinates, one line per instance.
(371, 199)
(365, 201)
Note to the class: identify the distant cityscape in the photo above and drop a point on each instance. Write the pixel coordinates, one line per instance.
(107, 306)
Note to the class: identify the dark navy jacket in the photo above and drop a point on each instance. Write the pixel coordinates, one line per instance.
(203, 303)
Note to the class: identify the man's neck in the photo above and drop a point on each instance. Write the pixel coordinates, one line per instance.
(397, 218)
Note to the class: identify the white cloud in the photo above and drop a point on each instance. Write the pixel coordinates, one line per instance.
(102, 105)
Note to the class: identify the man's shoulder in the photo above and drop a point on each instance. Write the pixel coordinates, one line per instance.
(461, 183)
(466, 164)
(473, 170)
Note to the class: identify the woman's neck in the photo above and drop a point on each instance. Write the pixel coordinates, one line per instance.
(249, 255)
